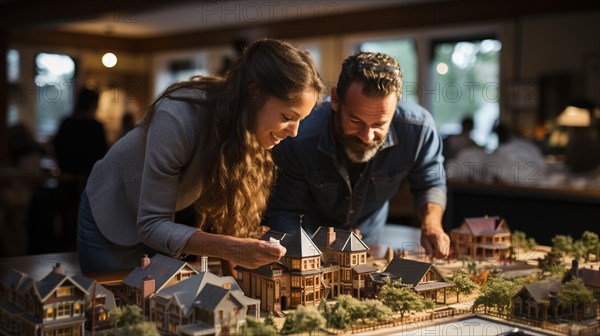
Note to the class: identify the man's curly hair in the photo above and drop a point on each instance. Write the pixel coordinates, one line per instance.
(379, 73)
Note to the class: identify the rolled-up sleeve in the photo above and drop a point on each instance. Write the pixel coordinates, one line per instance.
(428, 177)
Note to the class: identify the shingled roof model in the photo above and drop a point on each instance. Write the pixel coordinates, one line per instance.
(486, 225)
(298, 246)
(161, 269)
(205, 289)
(345, 241)
(541, 291)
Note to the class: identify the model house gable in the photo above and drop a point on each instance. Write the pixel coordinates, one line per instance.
(424, 277)
(56, 286)
(58, 303)
(164, 270)
(339, 240)
(301, 246)
(204, 303)
(340, 247)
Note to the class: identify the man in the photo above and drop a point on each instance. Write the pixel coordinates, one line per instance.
(352, 153)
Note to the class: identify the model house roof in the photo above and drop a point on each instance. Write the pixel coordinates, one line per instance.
(298, 246)
(45, 287)
(541, 291)
(161, 269)
(487, 225)
(52, 281)
(364, 268)
(101, 291)
(188, 291)
(20, 281)
(211, 297)
(283, 238)
(411, 271)
(345, 241)
(589, 277)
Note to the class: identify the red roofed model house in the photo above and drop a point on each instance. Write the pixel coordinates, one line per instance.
(481, 237)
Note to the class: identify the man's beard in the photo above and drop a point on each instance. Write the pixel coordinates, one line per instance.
(356, 150)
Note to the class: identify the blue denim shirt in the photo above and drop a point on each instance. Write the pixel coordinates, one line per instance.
(313, 180)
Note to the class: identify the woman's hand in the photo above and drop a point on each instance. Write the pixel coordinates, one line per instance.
(247, 252)
(253, 253)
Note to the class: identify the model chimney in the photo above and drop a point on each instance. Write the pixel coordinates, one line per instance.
(148, 286)
(57, 269)
(574, 267)
(330, 235)
(145, 261)
(204, 264)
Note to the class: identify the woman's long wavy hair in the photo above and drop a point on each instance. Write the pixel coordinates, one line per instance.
(239, 173)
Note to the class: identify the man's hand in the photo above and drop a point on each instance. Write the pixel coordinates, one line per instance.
(435, 241)
(433, 238)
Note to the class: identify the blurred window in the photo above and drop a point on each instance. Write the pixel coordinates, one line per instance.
(54, 81)
(465, 82)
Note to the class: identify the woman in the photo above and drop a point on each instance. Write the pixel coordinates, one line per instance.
(203, 143)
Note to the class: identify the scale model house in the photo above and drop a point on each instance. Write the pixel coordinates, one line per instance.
(56, 305)
(203, 304)
(343, 252)
(424, 277)
(151, 276)
(330, 263)
(482, 237)
(538, 300)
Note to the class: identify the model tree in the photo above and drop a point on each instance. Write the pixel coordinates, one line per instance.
(402, 298)
(551, 265)
(269, 321)
(304, 319)
(563, 245)
(345, 310)
(376, 310)
(497, 293)
(520, 240)
(573, 294)
(129, 321)
(592, 244)
(255, 328)
(579, 250)
(463, 283)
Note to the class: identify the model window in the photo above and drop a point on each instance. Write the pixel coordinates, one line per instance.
(64, 291)
(296, 264)
(49, 313)
(63, 310)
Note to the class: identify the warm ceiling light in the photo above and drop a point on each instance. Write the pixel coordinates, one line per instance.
(574, 117)
(109, 60)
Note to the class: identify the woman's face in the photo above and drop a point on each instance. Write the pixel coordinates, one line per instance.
(277, 119)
